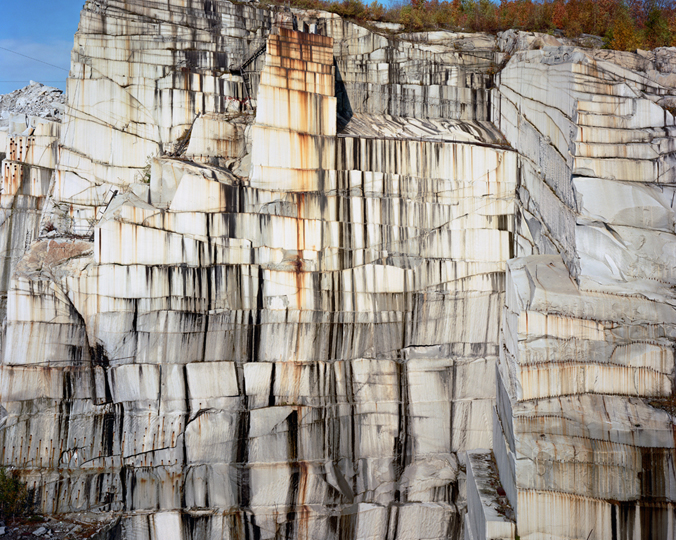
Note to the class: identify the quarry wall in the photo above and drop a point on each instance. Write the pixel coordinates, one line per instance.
(277, 275)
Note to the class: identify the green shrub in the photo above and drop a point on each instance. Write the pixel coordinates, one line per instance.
(15, 497)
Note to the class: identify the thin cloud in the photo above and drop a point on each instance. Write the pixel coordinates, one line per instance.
(16, 71)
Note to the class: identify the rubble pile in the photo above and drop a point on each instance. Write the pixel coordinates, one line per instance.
(36, 99)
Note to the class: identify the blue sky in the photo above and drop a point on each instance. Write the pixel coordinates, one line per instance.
(41, 29)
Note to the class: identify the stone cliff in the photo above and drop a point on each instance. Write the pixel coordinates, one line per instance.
(277, 275)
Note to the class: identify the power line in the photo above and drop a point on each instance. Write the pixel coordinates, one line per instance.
(31, 58)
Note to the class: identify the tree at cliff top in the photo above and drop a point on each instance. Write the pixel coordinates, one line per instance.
(626, 25)
(575, 17)
(623, 34)
(657, 29)
(522, 14)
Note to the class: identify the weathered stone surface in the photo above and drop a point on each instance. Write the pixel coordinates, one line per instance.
(28, 157)
(588, 326)
(488, 512)
(269, 334)
(334, 284)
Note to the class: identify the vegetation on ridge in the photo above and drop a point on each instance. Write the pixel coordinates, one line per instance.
(623, 24)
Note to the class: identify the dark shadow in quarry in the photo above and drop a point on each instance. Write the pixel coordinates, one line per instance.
(343, 106)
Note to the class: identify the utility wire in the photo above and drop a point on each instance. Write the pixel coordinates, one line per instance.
(31, 58)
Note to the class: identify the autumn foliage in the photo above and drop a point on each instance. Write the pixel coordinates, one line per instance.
(623, 24)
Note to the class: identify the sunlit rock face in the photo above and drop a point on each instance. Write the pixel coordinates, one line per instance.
(287, 322)
(28, 152)
(274, 291)
(584, 423)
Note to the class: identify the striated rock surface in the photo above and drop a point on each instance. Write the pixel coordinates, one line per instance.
(277, 275)
(584, 423)
(29, 137)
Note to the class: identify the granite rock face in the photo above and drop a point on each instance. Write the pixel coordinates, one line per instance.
(584, 422)
(29, 138)
(267, 335)
(295, 278)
